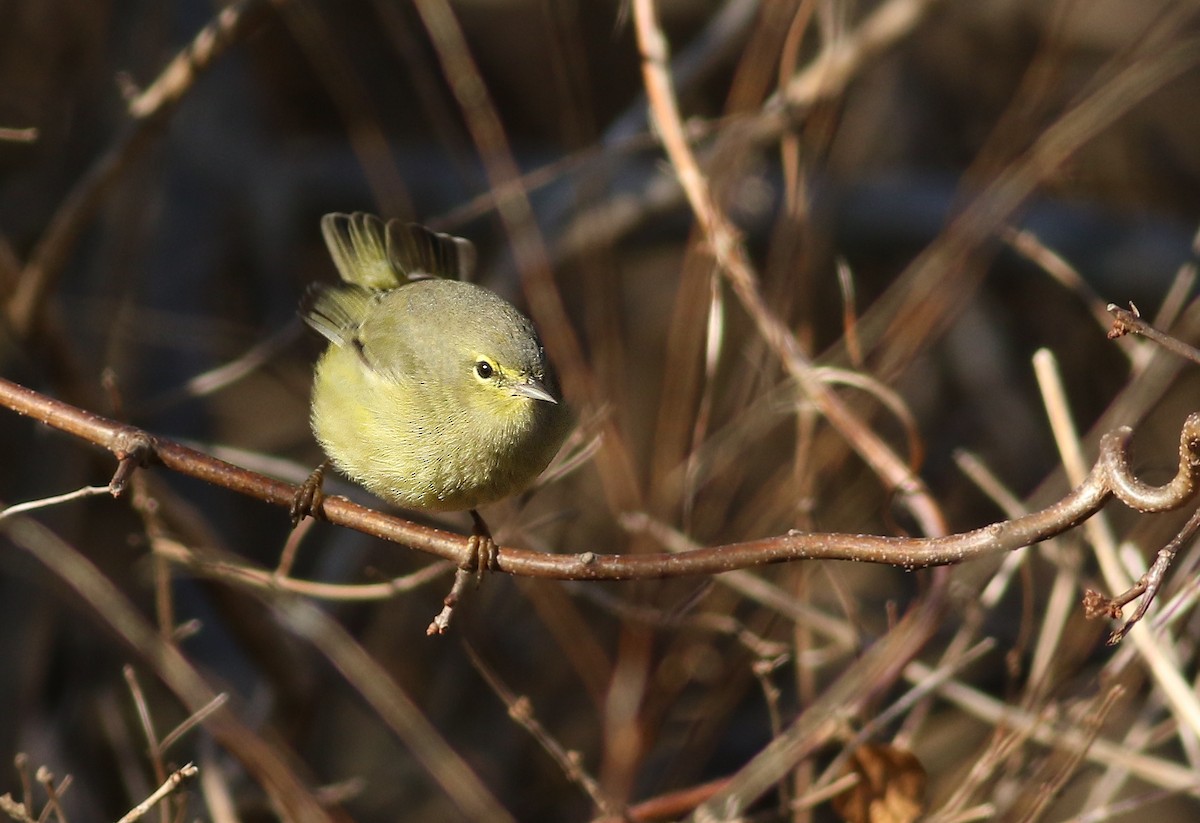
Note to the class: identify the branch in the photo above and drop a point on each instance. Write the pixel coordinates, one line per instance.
(729, 253)
(148, 110)
(176, 779)
(1110, 477)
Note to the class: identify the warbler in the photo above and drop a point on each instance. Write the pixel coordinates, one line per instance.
(434, 393)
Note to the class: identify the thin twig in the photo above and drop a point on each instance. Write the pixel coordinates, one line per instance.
(9, 134)
(1111, 476)
(1027, 244)
(441, 622)
(1154, 770)
(1146, 587)
(520, 709)
(53, 806)
(192, 721)
(726, 248)
(21, 762)
(152, 745)
(267, 763)
(148, 111)
(1129, 321)
(217, 565)
(1048, 789)
(176, 779)
(393, 706)
(33, 505)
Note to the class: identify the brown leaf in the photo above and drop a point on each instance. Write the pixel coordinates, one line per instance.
(891, 787)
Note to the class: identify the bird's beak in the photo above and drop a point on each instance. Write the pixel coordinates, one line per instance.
(534, 390)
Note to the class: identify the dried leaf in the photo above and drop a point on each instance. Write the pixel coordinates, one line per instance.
(891, 787)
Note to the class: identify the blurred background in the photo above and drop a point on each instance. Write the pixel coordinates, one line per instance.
(930, 192)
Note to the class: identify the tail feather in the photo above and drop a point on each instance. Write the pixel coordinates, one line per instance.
(357, 242)
(421, 253)
(378, 255)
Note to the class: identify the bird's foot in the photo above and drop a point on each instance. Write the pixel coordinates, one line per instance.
(310, 497)
(482, 556)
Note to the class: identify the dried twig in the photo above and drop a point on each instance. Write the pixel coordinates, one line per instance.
(726, 248)
(520, 709)
(148, 110)
(393, 706)
(9, 134)
(1111, 476)
(1129, 321)
(176, 779)
(267, 763)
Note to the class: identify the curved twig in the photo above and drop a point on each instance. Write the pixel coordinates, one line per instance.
(1111, 476)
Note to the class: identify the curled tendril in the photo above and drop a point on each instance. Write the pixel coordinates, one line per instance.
(1142, 497)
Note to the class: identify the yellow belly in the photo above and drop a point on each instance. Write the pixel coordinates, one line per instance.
(414, 445)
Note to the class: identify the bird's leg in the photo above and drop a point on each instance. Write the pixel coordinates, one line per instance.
(310, 497)
(482, 559)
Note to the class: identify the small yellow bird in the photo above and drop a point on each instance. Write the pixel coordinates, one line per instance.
(434, 393)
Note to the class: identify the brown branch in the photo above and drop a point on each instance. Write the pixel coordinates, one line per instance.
(725, 246)
(1129, 321)
(148, 110)
(520, 709)
(1111, 476)
(267, 762)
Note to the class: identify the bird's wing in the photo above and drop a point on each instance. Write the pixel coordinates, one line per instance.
(337, 311)
(376, 325)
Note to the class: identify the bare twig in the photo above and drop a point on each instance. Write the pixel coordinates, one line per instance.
(1052, 784)
(53, 793)
(520, 709)
(1147, 586)
(9, 134)
(874, 672)
(394, 707)
(1111, 476)
(176, 779)
(1129, 321)
(143, 713)
(33, 505)
(148, 110)
(1156, 771)
(1030, 246)
(21, 761)
(193, 720)
(266, 762)
(441, 622)
(217, 565)
(726, 248)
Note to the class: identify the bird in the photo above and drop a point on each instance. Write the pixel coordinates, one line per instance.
(434, 393)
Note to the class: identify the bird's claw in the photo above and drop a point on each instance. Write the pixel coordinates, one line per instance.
(310, 497)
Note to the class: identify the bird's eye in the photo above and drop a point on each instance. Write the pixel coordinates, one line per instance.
(484, 369)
